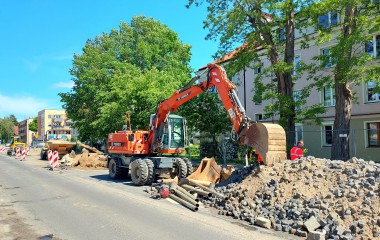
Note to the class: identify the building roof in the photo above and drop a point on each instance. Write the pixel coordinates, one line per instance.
(230, 55)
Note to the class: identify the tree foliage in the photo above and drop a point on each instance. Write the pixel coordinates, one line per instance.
(33, 126)
(13, 119)
(6, 129)
(348, 63)
(128, 69)
(256, 26)
(206, 114)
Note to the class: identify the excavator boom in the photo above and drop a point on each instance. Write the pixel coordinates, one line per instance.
(268, 139)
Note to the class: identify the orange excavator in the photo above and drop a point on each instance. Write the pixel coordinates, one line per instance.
(148, 154)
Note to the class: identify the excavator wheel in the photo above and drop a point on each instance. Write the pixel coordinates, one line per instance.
(180, 169)
(189, 166)
(115, 171)
(151, 170)
(139, 172)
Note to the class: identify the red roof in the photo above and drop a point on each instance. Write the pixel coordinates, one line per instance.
(230, 55)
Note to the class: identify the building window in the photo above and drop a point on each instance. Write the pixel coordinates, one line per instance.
(373, 132)
(299, 133)
(296, 99)
(258, 117)
(372, 95)
(297, 64)
(326, 58)
(67, 132)
(327, 134)
(373, 47)
(328, 97)
(235, 79)
(328, 20)
(258, 69)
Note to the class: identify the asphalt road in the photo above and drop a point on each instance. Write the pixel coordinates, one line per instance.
(37, 203)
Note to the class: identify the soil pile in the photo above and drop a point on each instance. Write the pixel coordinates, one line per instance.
(318, 198)
(85, 159)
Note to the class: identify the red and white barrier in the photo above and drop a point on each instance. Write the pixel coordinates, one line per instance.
(2, 149)
(55, 163)
(23, 156)
(50, 157)
(27, 151)
(18, 153)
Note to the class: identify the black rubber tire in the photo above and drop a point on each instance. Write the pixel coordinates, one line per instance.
(180, 168)
(151, 171)
(139, 172)
(114, 169)
(43, 155)
(189, 165)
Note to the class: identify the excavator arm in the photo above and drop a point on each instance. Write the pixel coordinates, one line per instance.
(268, 139)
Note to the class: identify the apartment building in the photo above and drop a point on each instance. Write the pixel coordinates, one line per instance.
(25, 134)
(54, 124)
(365, 121)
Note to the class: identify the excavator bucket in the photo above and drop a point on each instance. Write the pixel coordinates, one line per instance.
(268, 139)
(208, 171)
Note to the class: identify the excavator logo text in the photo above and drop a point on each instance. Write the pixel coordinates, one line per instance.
(184, 96)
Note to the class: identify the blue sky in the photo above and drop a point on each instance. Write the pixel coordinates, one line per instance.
(39, 37)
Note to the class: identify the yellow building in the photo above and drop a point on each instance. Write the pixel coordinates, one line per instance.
(54, 124)
(24, 132)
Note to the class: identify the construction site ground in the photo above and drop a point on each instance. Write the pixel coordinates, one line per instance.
(344, 196)
(14, 226)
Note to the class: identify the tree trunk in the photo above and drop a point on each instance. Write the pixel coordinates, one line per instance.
(290, 113)
(340, 149)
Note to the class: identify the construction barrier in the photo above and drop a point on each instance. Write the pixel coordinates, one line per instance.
(27, 151)
(55, 163)
(50, 157)
(2, 149)
(18, 153)
(23, 156)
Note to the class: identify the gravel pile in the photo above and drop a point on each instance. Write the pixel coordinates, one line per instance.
(311, 197)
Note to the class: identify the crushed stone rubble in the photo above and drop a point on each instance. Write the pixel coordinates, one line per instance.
(311, 197)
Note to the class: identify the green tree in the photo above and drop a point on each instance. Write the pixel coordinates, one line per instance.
(6, 129)
(33, 126)
(128, 69)
(257, 25)
(206, 114)
(357, 22)
(13, 119)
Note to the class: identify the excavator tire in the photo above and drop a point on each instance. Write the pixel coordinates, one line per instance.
(189, 165)
(180, 169)
(151, 170)
(114, 169)
(139, 172)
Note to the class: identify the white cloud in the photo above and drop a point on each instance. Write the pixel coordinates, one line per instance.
(68, 84)
(22, 107)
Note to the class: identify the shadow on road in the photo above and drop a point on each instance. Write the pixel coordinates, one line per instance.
(106, 178)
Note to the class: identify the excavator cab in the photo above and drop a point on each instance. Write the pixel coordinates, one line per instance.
(174, 133)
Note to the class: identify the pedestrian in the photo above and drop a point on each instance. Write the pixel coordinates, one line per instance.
(297, 151)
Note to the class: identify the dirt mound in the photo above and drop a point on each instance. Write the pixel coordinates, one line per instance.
(85, 159)
(340, 200)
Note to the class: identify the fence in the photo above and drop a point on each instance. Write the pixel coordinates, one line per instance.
(363, 143)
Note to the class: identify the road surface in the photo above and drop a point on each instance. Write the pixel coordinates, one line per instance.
(37, 203)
